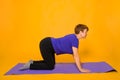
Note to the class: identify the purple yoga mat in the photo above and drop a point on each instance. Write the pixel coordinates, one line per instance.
(65, 68)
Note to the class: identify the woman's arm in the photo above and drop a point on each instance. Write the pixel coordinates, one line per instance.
(77, 60)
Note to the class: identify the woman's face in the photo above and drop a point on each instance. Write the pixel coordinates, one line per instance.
(83, 33)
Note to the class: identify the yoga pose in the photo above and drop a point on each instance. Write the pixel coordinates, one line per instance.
(67, 44)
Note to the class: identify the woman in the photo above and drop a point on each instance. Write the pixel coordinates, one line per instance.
(67, 44)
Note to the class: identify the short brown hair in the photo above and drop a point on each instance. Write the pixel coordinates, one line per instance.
(80, 27)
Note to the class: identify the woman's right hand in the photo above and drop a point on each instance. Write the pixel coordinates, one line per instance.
(85, 70)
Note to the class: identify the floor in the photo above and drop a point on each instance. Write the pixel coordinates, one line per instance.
(94, 76)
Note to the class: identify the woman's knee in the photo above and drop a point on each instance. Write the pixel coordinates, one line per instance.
(51, 67)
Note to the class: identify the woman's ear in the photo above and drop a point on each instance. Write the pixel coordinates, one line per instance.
(80, 32)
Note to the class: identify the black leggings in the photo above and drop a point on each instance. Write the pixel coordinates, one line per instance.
(48, 55)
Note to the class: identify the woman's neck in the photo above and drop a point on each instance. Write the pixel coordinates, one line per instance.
(78, 36)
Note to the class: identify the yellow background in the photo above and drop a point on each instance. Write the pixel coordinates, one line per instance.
(23, 23)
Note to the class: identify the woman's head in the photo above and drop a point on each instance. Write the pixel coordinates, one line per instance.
(81, 30)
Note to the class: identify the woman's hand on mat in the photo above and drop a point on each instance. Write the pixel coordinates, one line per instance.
(84, 70)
